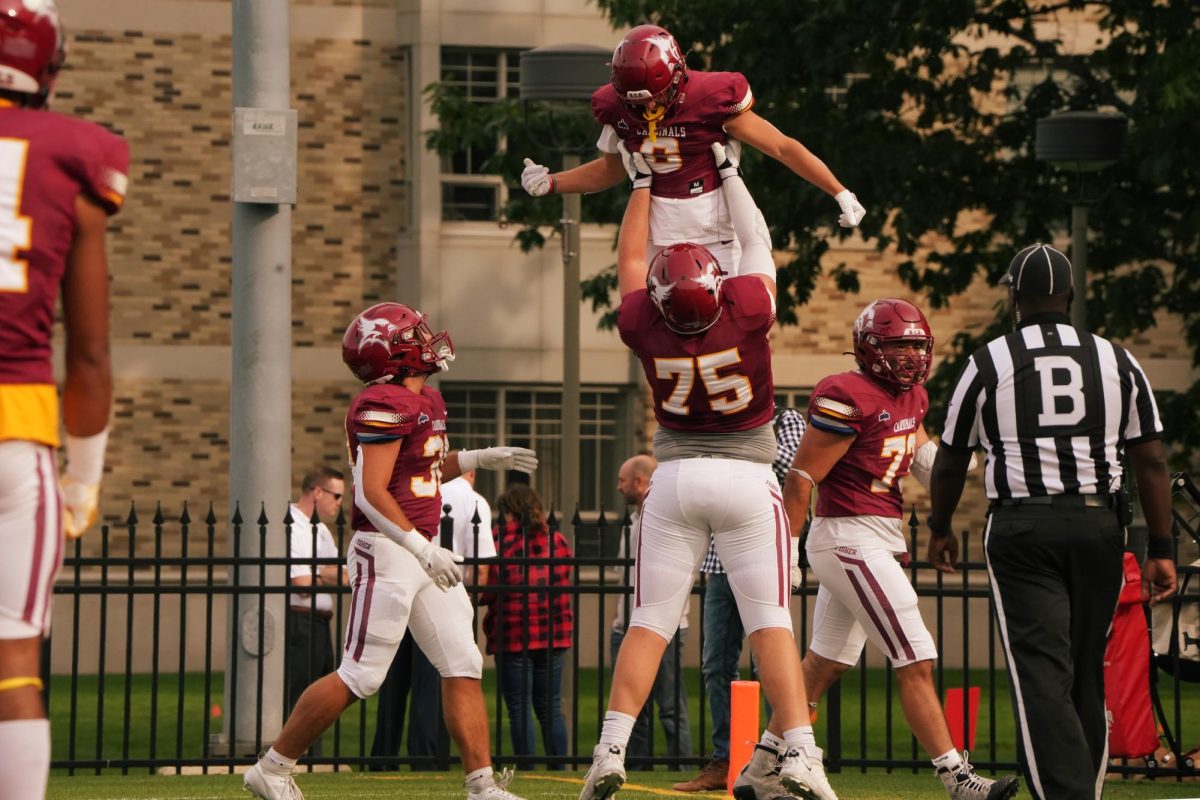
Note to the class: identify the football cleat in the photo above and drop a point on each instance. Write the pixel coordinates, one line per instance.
(607, 773)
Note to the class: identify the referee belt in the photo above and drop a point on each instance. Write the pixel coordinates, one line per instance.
(312, 612)
(1108, 501)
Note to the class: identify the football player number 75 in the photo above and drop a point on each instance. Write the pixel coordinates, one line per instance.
(15, 230)
(895, 450)
(717, 387)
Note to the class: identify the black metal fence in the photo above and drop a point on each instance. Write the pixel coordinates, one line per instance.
(136, 665)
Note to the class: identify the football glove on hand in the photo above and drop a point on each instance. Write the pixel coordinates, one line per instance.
(640, 174)
(728, 164)
(519, 458)
(80, 505)
(438, 562)
(852, 210)
(536, 179)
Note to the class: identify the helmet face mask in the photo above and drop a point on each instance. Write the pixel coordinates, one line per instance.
(893, 343)
(648, 69)
(684, 282)
(32, 49)
(391, 340)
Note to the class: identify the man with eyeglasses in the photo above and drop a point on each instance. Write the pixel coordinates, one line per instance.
(309, 646)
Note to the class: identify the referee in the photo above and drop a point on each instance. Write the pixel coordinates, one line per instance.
(1054, 407)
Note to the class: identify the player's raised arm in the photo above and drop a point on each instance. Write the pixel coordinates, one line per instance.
(635, 226)
(761, 134)
(748, 222)
(594, 176)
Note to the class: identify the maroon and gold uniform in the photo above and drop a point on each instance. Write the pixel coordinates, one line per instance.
(387, 412)
(717, 381)
(686, 205)
(46, 161)
(866, 480)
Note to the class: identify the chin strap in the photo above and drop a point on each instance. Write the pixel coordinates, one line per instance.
(653, 117)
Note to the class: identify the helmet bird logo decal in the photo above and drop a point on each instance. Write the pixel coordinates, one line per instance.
(374, 331)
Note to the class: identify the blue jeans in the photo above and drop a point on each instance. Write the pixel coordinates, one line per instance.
(671, 696)
(723, 633)
(533, 679)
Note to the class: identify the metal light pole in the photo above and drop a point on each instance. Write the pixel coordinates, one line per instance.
(1080, 142)
(264, 189)
(566, 75)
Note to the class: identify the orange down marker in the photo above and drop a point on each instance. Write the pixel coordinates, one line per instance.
(743, 727)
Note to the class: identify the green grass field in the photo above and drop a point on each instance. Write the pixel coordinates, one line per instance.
(533, 786)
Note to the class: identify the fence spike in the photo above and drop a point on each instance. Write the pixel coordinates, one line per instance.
(627, 520)
(551, 521)
(475, 518)
(288, 519)
(341, 517)
(132, 519)
(184, 517)
(912, 518)
(602, 520)
(237, 513)
(211, 517)
(158, 515)
(576, 520)
(262, 514)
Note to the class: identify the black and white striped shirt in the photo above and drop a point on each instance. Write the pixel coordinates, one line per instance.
(1053, 408)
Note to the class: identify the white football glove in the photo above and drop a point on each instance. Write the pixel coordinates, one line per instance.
(640, 174)
(80, 505)
(852, 210)
(536, 179)
(728, 164)
(797, 573)
(498, 458)
(438, 562)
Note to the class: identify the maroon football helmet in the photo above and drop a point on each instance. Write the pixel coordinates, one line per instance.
(392, 340)
(32, 48)
(648, 66)
(684, 282)
(893, 343)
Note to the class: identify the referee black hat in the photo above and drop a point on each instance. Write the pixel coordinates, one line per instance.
(1039, 269)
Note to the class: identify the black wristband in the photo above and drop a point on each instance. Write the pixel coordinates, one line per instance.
(1160, 547)
(938, 530)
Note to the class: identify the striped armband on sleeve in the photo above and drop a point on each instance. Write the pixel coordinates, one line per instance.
(834, 416)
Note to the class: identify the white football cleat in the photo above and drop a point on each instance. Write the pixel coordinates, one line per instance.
(759, 779)
(607, 773)
(803, 774)
(496, 790)
(271, 785)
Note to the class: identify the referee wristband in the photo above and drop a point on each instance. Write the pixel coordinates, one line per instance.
(1160, 547)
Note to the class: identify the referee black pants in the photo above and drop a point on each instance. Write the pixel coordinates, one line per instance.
(1055, 575)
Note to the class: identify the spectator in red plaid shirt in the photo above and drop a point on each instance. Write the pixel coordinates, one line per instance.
(530, 632)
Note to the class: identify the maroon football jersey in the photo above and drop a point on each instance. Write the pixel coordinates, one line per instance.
(712, 382)
(681, 154)
(46, 161)
(387, 412)
(866, 481)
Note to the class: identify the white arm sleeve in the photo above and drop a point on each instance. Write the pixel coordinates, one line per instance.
(381, 522)
(750, 227)
(607, 143)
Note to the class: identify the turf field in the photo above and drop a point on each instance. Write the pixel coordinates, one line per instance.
(533, 786)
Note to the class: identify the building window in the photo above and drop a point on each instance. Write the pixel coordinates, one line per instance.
(531, 416)
(793, 398)
(483, 76)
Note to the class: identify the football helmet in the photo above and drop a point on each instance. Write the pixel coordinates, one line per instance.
(32, 48)
(648, 66)
(884, 337)
(392, 340)
(684, 281)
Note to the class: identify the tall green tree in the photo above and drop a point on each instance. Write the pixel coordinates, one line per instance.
(927, 111)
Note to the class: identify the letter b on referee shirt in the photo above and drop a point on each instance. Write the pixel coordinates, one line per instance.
(1063, 402)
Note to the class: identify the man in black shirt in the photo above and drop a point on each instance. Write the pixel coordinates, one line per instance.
(1053, 407)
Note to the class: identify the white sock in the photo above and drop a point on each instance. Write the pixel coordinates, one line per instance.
(950, 760)
(276, 761)
(24, 758)
(479, 779)
(772, 741)
(799, 738)
(617, 729)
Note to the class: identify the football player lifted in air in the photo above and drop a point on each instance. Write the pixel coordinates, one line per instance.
(702, 341)
(672, 115)
(865, 434)
(401, 578)
(60, 178)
